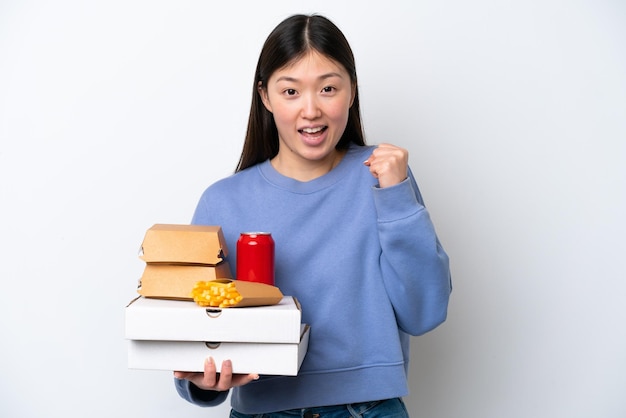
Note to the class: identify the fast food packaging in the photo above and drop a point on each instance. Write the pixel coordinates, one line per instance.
(251, 293)
(167, 334)
(178, 256)
(184, 244)
(175, 281)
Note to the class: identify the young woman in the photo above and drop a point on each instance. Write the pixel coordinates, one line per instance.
(354, 242)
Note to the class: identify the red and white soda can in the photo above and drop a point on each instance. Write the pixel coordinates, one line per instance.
(255, 257)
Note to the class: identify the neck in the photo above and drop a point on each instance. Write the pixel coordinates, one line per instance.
(306, 170)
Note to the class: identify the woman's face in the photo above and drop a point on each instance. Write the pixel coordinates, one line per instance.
(310, 100)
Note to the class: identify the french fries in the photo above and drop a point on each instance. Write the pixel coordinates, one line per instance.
(216, 294)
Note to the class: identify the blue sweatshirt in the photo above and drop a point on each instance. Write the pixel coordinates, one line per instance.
(365, 264)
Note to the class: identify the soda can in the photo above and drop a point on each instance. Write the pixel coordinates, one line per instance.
(255, 257)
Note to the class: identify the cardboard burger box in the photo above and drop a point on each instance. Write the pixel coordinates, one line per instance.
(178, 335)
(184, 244)
(175, 281)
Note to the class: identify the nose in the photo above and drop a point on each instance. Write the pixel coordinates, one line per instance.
(310, 107)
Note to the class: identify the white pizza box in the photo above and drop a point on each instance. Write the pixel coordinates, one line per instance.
(179, 320)
(246, 357)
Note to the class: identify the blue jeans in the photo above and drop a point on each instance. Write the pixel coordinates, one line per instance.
(389, 408)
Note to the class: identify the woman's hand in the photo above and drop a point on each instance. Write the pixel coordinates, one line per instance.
(211, 380)
(389, 164)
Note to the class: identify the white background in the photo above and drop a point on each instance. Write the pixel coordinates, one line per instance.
(115, 115)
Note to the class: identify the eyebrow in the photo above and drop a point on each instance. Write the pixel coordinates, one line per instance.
(295, 80)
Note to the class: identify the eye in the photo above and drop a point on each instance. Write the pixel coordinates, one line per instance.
(328, 89)
(290, 92)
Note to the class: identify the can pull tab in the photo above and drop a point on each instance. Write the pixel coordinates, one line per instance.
(213, 313)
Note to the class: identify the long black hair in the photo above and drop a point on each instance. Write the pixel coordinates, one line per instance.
(289, 41)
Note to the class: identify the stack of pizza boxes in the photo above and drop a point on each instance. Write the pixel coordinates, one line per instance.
(167, 330)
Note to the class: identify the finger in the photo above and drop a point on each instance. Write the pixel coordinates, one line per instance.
(369, 164)
(380, 151)
(226, 376)
(388, 170)
(373, 171)
(387, 150)
(377, 162)
(209, 378)
(191, 376)
(182, 375)
(392, 156)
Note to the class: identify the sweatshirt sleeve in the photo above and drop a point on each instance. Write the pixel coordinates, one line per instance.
(197, 396)
(415, 267)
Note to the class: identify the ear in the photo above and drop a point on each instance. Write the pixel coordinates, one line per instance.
(264, 97)
(353, 95)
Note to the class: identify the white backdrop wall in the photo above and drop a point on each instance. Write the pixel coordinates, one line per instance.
(116, 115)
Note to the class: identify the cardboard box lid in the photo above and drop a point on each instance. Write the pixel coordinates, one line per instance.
(261, 358)
(176, 320)
(175, 281)
(184, 244)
